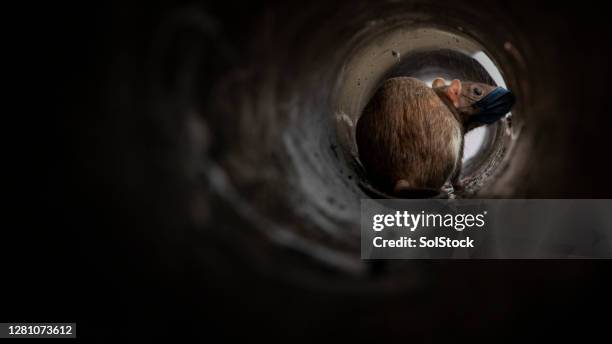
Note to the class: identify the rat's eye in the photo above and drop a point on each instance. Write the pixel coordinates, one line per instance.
(477, 91)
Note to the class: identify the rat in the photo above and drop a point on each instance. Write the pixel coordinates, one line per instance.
(410, 135)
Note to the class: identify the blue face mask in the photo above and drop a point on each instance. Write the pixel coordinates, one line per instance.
(493, 106)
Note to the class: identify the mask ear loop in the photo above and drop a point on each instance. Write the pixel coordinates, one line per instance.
(472, 99)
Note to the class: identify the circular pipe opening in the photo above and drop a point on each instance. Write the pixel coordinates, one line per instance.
(275, 134)
(424, 53)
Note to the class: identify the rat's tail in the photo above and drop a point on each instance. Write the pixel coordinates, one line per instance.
(403, 189)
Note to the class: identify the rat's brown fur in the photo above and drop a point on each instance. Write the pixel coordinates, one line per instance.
(408, 138)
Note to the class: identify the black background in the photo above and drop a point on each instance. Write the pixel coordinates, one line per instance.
(75, 241)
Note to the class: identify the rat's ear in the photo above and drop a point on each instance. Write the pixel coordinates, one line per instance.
(453, 92)
(438, 82)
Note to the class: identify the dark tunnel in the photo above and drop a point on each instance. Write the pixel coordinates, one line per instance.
(209, 179)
